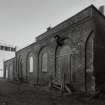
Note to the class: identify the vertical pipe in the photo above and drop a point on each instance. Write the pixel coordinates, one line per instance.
(85, 67)
(38, 68)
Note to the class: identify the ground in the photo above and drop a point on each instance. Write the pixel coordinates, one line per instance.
(11, 93)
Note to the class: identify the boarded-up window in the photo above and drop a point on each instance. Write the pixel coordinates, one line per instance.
(31, 63)
(44, 62)
(65, 59)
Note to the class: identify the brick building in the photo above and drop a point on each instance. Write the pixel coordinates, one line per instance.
(72, 52)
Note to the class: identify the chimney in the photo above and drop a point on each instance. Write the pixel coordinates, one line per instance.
(101, 9)
(49, 28)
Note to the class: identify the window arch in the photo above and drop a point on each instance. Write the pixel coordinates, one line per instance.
(31, 64)
(44, 62)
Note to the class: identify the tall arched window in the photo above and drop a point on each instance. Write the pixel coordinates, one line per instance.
(6, 72)
(44, 62)
(31, 64)
(11, 71)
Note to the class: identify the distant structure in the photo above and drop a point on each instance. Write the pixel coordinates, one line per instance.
(7, 47)
(6, 51)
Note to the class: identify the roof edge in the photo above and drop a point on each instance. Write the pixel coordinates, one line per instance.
(91, 6)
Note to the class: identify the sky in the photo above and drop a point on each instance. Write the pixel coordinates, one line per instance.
(22, 20)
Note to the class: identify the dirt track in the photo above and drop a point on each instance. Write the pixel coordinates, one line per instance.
(13, 94)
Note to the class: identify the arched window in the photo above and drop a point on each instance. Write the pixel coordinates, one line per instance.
(6, 72)
(44, 62)
(63, 64)
(11, 71)
(31, 64)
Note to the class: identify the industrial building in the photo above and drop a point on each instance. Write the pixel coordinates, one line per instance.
(71, 53)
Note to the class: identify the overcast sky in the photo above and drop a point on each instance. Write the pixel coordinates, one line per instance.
(22, 20)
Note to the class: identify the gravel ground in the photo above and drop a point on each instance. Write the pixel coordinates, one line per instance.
(13, 94)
